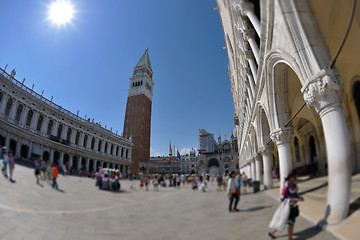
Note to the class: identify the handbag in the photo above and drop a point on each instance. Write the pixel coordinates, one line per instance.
(238, 192)
(281, 215)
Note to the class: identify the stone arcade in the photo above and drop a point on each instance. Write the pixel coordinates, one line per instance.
(33, 126)
(281, 56)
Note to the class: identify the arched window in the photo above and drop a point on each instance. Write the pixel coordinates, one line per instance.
(111, 149)
(122, 152)
(77, 138)
(117, 150)
(141, 83)
(29, 118)
(133, 84)
(8, 107)
(50, 126)
(127, 153)
(68, 135)
(60, 128)
(297, 149)
(93, 143)
(106, 146)
(1, 96)
(39, 123)
(356, 96)
(85, 140)
(99, 147)
(18, 112)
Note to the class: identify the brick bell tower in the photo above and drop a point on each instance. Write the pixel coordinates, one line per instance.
(137, 123)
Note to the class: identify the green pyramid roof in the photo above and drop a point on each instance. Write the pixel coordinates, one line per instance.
(145, 60)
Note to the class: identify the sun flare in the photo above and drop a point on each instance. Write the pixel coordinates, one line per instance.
(61, 12)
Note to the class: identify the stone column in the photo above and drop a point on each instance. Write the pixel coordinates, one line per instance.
(29, 151)
(88, 144)
(3, 103)
(7, 141)
(24, 114)
(87, 164)
(265, 152)
(102, 149)
(61, 158)
(34, 120)
(63, 131)
(94, 166)
(18, 147)
(79, 164)
(249, 35)
(253, 169)
(54, 128)
(52, 156)
(44, 124)
(96, 145)
(247, 9)
(13, 109)
(258, 167)
(71, 159)
(324, 93)
(282, 139)
(72, 137)
(81, 139)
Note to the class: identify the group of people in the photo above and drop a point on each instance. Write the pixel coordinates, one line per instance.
(108, 179)
(46, 171)
(8, 163)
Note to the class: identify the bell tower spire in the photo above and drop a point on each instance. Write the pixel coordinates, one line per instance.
(138, 111)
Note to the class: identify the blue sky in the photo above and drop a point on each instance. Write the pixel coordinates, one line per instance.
(86, 65)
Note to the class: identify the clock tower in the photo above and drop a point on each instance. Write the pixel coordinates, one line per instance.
(137, 123)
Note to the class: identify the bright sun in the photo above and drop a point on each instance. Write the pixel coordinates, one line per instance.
(61, 12)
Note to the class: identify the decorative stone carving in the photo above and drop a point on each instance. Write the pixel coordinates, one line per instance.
(264, 150)
(248, 33)
(281, 136)
(323, 89)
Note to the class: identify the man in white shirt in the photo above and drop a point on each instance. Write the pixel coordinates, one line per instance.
(232, 192)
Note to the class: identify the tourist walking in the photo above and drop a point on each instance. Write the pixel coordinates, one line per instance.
(5, 157)
(156, 183)
(11, 166)
(219, 181)
(37, 170)
(244, 179)
(290, 193)
(232, 193)
(238, 185)
(55, 173)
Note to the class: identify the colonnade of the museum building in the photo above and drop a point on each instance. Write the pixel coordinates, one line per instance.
(33, 126)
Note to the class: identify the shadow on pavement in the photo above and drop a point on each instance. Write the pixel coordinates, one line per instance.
(308, 233)
(60, 190)
(354, 206)
(314, 189)
(254, 209)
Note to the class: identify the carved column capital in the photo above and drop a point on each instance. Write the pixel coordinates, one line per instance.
(245, 7)
(281, 136)
(248, 33)
(264, 150)
(323, 89)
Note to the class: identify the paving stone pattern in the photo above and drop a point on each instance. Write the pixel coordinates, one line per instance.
(81, 211)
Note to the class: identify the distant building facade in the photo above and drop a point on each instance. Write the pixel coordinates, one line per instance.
(189, 163)
(162, 165)
(137, 125)
(32, 126)
(224, 155)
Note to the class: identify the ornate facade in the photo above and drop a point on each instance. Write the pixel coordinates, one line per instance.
(189, 163)
(282, 56)
(221, 157)
(32, 126)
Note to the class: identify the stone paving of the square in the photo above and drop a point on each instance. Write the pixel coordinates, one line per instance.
(81, 211)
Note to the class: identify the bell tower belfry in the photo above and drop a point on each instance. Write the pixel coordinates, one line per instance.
(137, 123)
